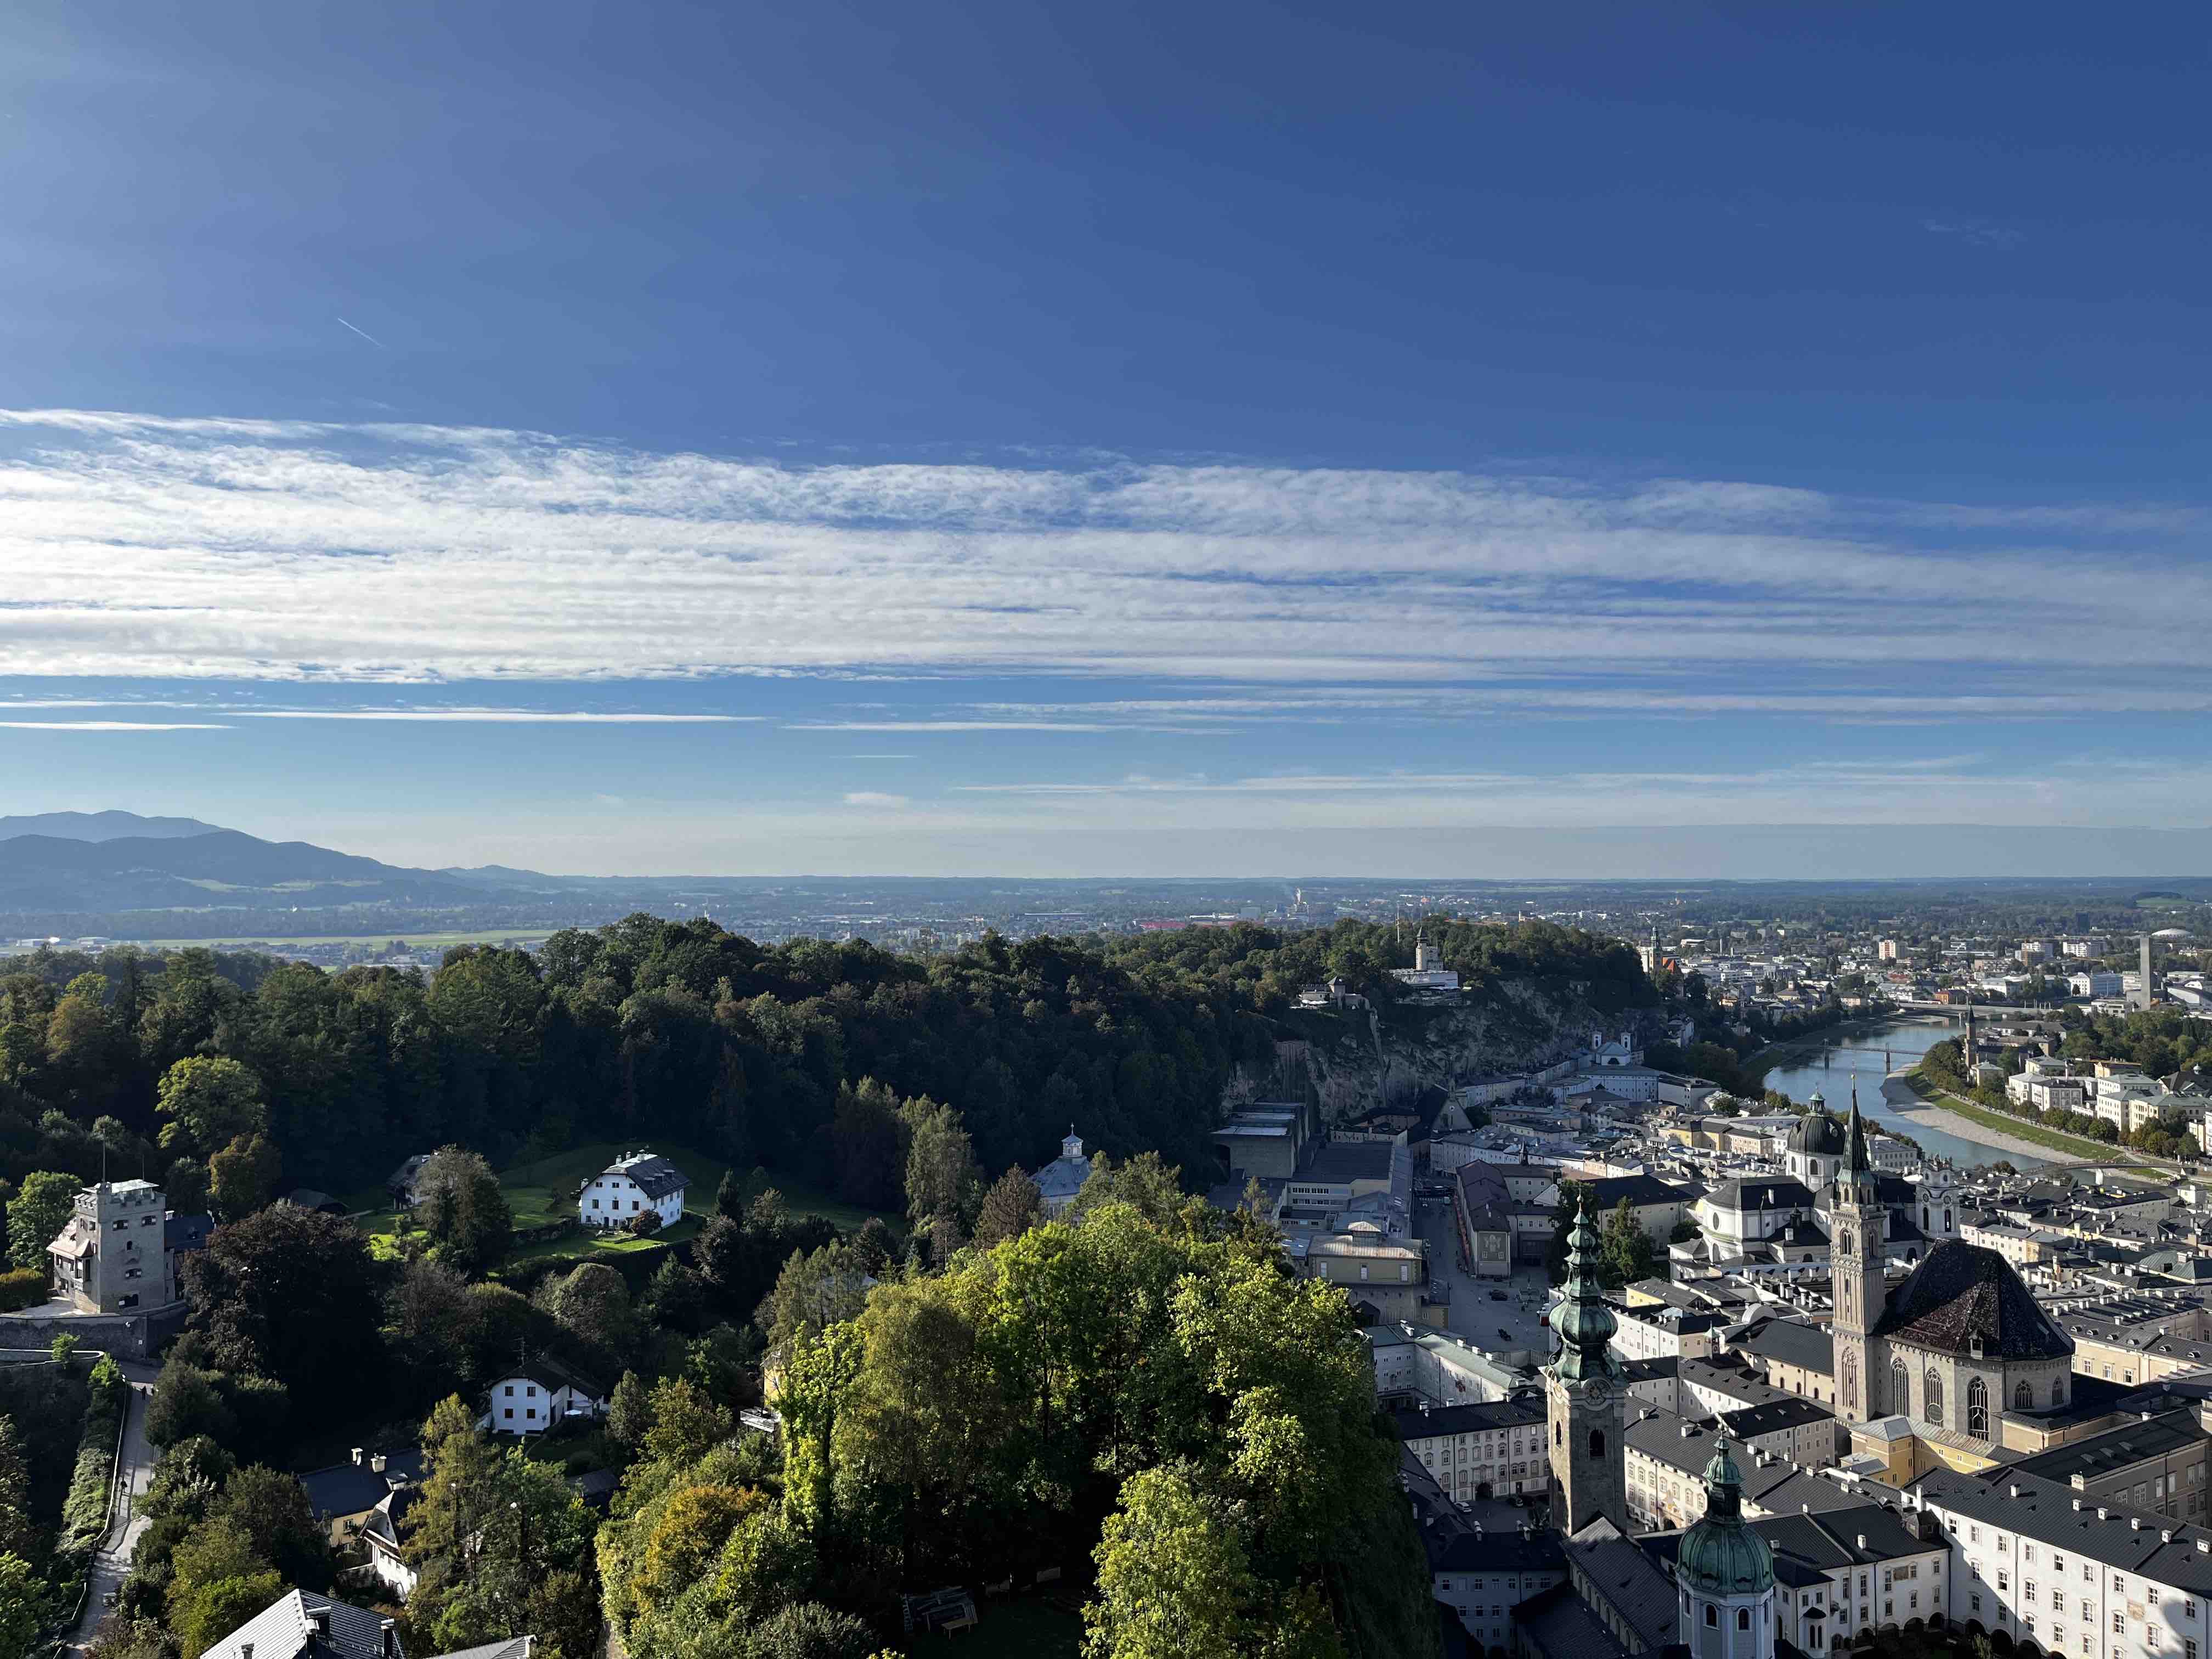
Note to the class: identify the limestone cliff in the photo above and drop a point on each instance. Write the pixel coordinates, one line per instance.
(1356, 1058)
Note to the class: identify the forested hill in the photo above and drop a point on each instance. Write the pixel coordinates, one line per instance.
(678, 1030)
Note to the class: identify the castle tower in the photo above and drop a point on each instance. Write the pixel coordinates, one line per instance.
(1855, 1268)
(1724, 1574)
(1584, 1388)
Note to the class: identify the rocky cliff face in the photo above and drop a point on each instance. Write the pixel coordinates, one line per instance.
(1359, 1058)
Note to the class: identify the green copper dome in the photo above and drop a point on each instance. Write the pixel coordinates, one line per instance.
(1584, 1323)
(1720, 1555)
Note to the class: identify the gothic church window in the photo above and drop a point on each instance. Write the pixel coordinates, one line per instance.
(2023, 1397)
(1933, 1409)
(1977, 1409)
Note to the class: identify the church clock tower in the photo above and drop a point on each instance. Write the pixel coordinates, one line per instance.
(1584, 1388)
(1856, 1255)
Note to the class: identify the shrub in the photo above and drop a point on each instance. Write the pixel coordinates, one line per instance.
(22, 1287)
(643, 1224)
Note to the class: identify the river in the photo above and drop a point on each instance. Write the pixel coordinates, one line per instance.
(1858, 1056)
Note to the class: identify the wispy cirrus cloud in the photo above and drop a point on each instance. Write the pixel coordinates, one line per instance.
(144, 548)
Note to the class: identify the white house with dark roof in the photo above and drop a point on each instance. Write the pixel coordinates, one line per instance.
(538, 1393)
(633, 1184)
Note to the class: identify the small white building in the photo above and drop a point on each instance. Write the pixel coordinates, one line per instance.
(1059, 1182)
(629, 1187)
(538, 1394)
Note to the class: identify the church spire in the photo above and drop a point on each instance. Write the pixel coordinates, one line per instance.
(1584, 1323)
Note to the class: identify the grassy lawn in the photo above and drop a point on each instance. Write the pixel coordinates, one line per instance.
(1031, 1627)
(2056, 1139)
(544, 1191)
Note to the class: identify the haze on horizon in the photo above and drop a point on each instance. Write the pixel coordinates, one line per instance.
(776, 439)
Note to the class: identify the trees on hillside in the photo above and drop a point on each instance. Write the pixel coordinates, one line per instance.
(461, 1207)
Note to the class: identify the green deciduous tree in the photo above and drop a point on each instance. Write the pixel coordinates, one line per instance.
(209, 1102)
(36, 1215)
(242, 1176)
(22, 1604)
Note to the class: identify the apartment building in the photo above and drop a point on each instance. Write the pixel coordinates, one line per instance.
(1478, 1452)
(1666, 1333)
(2041, 1563)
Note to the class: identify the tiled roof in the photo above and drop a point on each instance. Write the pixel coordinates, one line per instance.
(1960, 1293)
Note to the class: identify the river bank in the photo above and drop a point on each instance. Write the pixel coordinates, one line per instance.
(1906, 1102)
(1936, 1105)
(1840, 1064)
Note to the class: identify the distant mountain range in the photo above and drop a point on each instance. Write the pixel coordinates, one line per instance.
(102, 826)
(109, 861)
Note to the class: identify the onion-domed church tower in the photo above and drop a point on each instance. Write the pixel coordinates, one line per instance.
(1584, 1387)
(1724, 1574)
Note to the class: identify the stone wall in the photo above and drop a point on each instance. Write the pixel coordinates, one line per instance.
(127, 1336)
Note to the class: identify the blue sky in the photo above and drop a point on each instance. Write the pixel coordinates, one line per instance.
(1221, 439)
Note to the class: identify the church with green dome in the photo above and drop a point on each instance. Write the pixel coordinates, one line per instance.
(1724, 1574)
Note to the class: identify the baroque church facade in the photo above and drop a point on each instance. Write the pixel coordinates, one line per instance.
(1959, 1343)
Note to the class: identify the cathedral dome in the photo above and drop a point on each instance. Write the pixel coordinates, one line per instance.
(1817, 1133)
(1720, 1555)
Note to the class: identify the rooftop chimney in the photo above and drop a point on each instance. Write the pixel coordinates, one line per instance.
(319, 1620)
(1862, 1540)
(2103, 1514)
(2015, 1489)
(2134, 1523)
(356, 1456)
(376, 1462)
(2077, 1506)
(391, 1636)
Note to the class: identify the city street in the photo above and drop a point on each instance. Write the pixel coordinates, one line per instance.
(1495, 1326)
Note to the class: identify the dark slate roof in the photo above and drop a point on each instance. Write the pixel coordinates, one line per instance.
(282, 1631)
(2115, 1449)
(1790, 1342)
(1499, 1551)
(654, 1174)
(1961, 1292)
(1414, 1424)
(308, 1198)
(354, 1488)
(2044, 1510)
(186, 1232)
(1775, 1415)
(1558, 1624)
(1761, 1193)
(1638, 1189)
(1649, 1370)
(1627, 1579)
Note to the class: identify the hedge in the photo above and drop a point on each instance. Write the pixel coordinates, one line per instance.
(22, 1287)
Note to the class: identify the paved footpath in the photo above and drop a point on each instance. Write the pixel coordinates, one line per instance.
(111, 1562)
